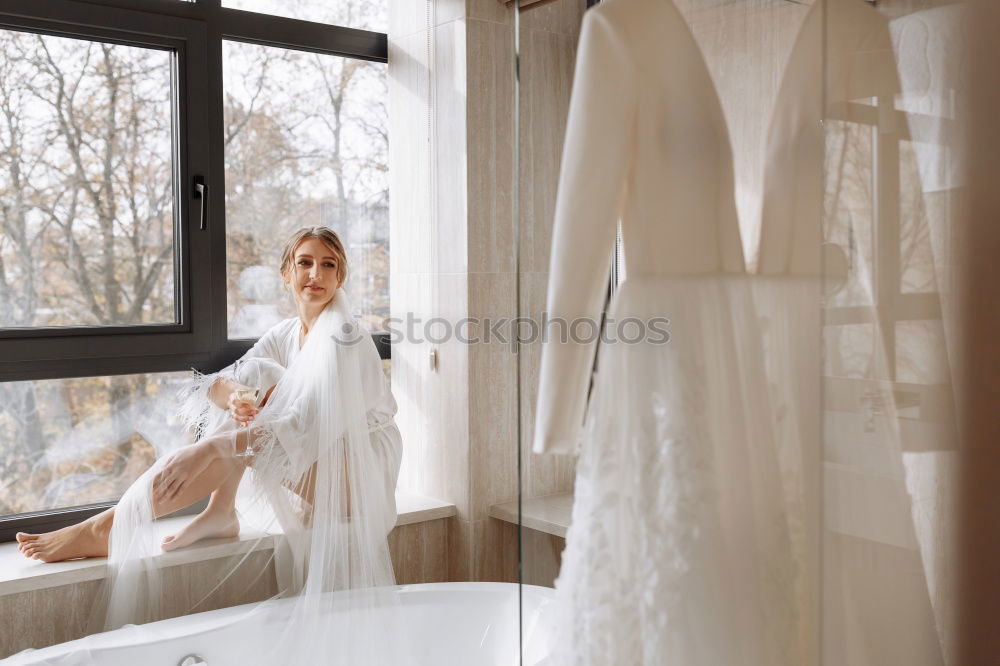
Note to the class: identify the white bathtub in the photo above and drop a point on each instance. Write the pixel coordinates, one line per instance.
(450, 624)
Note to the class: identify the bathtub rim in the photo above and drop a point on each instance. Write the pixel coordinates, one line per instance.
(219, 618)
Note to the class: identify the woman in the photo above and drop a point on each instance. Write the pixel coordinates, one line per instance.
(322, 449)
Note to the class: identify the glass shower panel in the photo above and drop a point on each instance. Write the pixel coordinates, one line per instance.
(889, 457)
(547, 42)
(548, 36)
(864, 402)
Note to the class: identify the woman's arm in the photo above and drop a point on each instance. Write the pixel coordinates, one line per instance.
(222, 392)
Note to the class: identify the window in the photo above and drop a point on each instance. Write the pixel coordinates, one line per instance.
(79, 441)
(305, 138)
(103, 129)
(153, 155)
(86, 183)
(877, 217)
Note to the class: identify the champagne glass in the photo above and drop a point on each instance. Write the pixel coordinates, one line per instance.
(247, 395)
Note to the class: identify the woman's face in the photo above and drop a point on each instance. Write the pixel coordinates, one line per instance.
(313, 273)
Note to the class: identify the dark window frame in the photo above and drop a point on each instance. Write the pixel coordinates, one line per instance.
(44, 351)
(197, 30)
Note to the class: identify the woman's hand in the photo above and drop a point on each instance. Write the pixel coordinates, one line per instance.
(182, 469)
(242, 411)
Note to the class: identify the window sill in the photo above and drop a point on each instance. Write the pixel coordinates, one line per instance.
(549, 514)
(19, 574)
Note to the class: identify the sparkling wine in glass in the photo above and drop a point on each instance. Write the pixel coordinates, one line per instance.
(247, 395)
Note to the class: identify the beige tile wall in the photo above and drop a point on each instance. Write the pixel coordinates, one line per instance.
(453, 242)
(549, 34)
(427, 236)
(542, 554)
(420, 552)
(548, 43)
(45, 617)
(548, 52)
(493, 370)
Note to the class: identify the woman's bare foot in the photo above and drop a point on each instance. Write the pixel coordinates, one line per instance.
(205, 525)
(81, 540)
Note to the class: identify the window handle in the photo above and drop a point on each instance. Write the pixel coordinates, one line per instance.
(201, 192)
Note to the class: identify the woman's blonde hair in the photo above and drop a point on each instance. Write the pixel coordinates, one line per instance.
(328, 237)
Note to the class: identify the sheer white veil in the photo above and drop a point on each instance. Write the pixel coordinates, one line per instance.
(315, 487)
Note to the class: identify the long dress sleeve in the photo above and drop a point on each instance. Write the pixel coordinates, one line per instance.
(596, 157)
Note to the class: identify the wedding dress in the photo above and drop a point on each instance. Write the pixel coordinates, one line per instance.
(679, 550)
(673, 523)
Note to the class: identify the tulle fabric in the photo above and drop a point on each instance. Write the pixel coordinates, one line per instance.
(678, 550)
(788, 314)
(330, 553)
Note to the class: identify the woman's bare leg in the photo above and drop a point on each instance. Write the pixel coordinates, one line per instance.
(86, 539)
(219, 517)
(217, 520)
(90, 538)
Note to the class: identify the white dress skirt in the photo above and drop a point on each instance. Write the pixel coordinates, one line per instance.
(678, 550)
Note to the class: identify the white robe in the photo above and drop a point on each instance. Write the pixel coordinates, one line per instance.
(281, 344)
